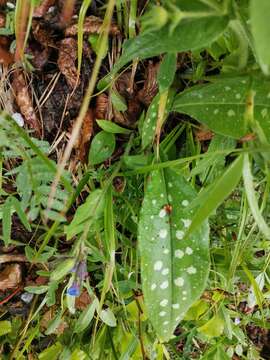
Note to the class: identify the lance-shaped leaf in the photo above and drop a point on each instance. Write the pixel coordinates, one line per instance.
(174, 268)
(222, 105)
(190, 34)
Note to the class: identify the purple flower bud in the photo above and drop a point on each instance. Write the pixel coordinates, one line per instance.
(82, 270)
(74, 290)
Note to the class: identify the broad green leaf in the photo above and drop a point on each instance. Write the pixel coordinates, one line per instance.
(111, 127)
(151, 117)
(259, 17)
(214, 327)
(107, 316)
(174, 268)
(190, 34)
(102, 147)
(167, 71)
(222, 105)
(92, 208)
(86, 317)
(78, 355)
(252, 201)
(62, 269)
(5, 327)
(52, 352)
(217, 194)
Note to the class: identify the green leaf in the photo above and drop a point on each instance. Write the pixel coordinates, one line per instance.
(259, 17)
(217, 194)
(6, 221)
(91, 209)
(18, 207)
(118, 101)
(167, 71)
(151, 117)
(190, 34)
(36, 289)
(53, 324)
(62, 269)
(102, 147)
(5, 327)
(174, 268)
(52, 352)
(107, 316)
(222, 105)
(86, 317)
(214, 327)
(251, 196)
(112, 128)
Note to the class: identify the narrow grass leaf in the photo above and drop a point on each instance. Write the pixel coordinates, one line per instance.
(251, 196)
(174, 268)
(221, 189)
(6, 221)
(259, 17)
(167, 71)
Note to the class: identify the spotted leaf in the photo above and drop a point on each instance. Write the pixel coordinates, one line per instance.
(174, 268)
(222, 105)
(151, 117)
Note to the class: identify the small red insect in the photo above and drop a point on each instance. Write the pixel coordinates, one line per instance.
(168, 208)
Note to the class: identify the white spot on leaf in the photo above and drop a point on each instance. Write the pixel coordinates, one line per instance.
(191, 270)
(179, 254)
(264, 112)
(179, 281)
(180, 234)
(163, 233)
(162, 313)
(164, 285)
(158, 265)
(185, 202)
(186, 222)
(165, 271)
(231, 113)
(164, 303)
(162, 213)
(153, 286)
(175, 306)
(189, 251)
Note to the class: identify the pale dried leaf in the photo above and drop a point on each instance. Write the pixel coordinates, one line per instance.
(150, 87)
(67, 60)
(24, 102)
(43, 8)
(10, 277)
(92, 25)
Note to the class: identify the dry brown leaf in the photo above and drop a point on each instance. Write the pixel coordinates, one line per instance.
(83, 300)
(204, 135)
(10, 277)
(4, 258)
(2, 20)
(67, 11)
(102, 107)
(47, 317)
(67, 60)
(43, 8)
(150, 87)
(85, 134)
(24, 102)
(6, 57)
(92, 25)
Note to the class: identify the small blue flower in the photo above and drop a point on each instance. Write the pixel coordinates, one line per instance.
(74, 290)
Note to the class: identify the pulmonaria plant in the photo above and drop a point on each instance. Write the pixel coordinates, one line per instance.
(79, 275)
